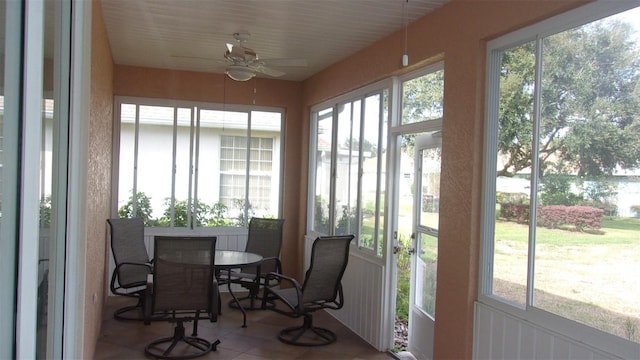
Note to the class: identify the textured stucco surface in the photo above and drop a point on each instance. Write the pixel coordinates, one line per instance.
(98, 179)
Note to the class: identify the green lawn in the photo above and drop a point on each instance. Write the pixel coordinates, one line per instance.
(587, 277)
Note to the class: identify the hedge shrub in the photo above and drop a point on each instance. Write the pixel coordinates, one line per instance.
(555, 216)
(515, 212)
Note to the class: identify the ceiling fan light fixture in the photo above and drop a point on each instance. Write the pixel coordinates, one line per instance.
(239, 73)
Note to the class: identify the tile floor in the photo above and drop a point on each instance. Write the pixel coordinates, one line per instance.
(127, 339)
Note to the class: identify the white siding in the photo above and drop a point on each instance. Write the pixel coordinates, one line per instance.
(498, 335)
(362, 285)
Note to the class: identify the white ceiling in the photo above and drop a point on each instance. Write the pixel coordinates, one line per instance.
(192, 34)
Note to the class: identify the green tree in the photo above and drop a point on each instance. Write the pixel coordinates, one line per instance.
(367, 146)
(516, 104)
(556, 190)
(143, 208)
(422, 99)
(590, 102)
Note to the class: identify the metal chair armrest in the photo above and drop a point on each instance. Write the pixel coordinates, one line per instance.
(299, 307)
(114, 276)
(259, 275)
(279, 277)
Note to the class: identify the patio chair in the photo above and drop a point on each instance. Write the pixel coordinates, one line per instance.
(322, 289)
(183, 287)
(265, 239)
(132, 263)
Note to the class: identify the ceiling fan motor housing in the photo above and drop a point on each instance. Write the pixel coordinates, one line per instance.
(240, 73)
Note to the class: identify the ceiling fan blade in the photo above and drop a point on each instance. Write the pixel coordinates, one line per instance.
(267, 71)
(285, 62)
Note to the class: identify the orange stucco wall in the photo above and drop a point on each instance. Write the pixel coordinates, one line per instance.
(456, 33)
(98, 179)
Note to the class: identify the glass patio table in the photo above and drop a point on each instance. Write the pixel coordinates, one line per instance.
(233, 259)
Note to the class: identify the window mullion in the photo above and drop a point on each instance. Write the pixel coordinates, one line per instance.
(358, 212)
(490, 150)
(247, 171)
(136, 143)
(376, 232)
(535, 165)
(173, 169)
(193, 163)
(334, 165)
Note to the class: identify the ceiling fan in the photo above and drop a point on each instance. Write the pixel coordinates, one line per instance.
(244, 63)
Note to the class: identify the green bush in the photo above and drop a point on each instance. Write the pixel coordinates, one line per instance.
(348, 222)
(581, 217)
(219, 215)
(45, 212)
(517, 212)
(320, 218)
(203, 214)
(556, 190)
(403, 278)
(143, 209)
(508, 197)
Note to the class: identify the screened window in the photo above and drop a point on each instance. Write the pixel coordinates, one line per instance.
(564, 131)
(194, 165)
(350, 157)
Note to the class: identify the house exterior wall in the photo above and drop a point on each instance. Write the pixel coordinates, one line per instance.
(98, 180)
(456, 33)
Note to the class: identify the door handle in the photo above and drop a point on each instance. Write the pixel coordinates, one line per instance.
(412, 250)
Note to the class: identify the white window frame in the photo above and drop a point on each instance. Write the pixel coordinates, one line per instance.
(10, 173)
(278, 147)
(360, 94)
(567, 327)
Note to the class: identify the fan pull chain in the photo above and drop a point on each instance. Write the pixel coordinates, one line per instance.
(254, 90)
(405, 56)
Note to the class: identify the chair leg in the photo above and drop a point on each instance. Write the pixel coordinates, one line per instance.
(136, 313)
(195, 324)
(126, 313)
(254, 300)
(253, 295)
(307, 334)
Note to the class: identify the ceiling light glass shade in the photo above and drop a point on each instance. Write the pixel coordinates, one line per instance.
(239, 73)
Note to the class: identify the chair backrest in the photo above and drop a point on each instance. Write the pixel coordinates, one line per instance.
(265, 238)
(329, 257)
(183, 273)
(127, 246)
